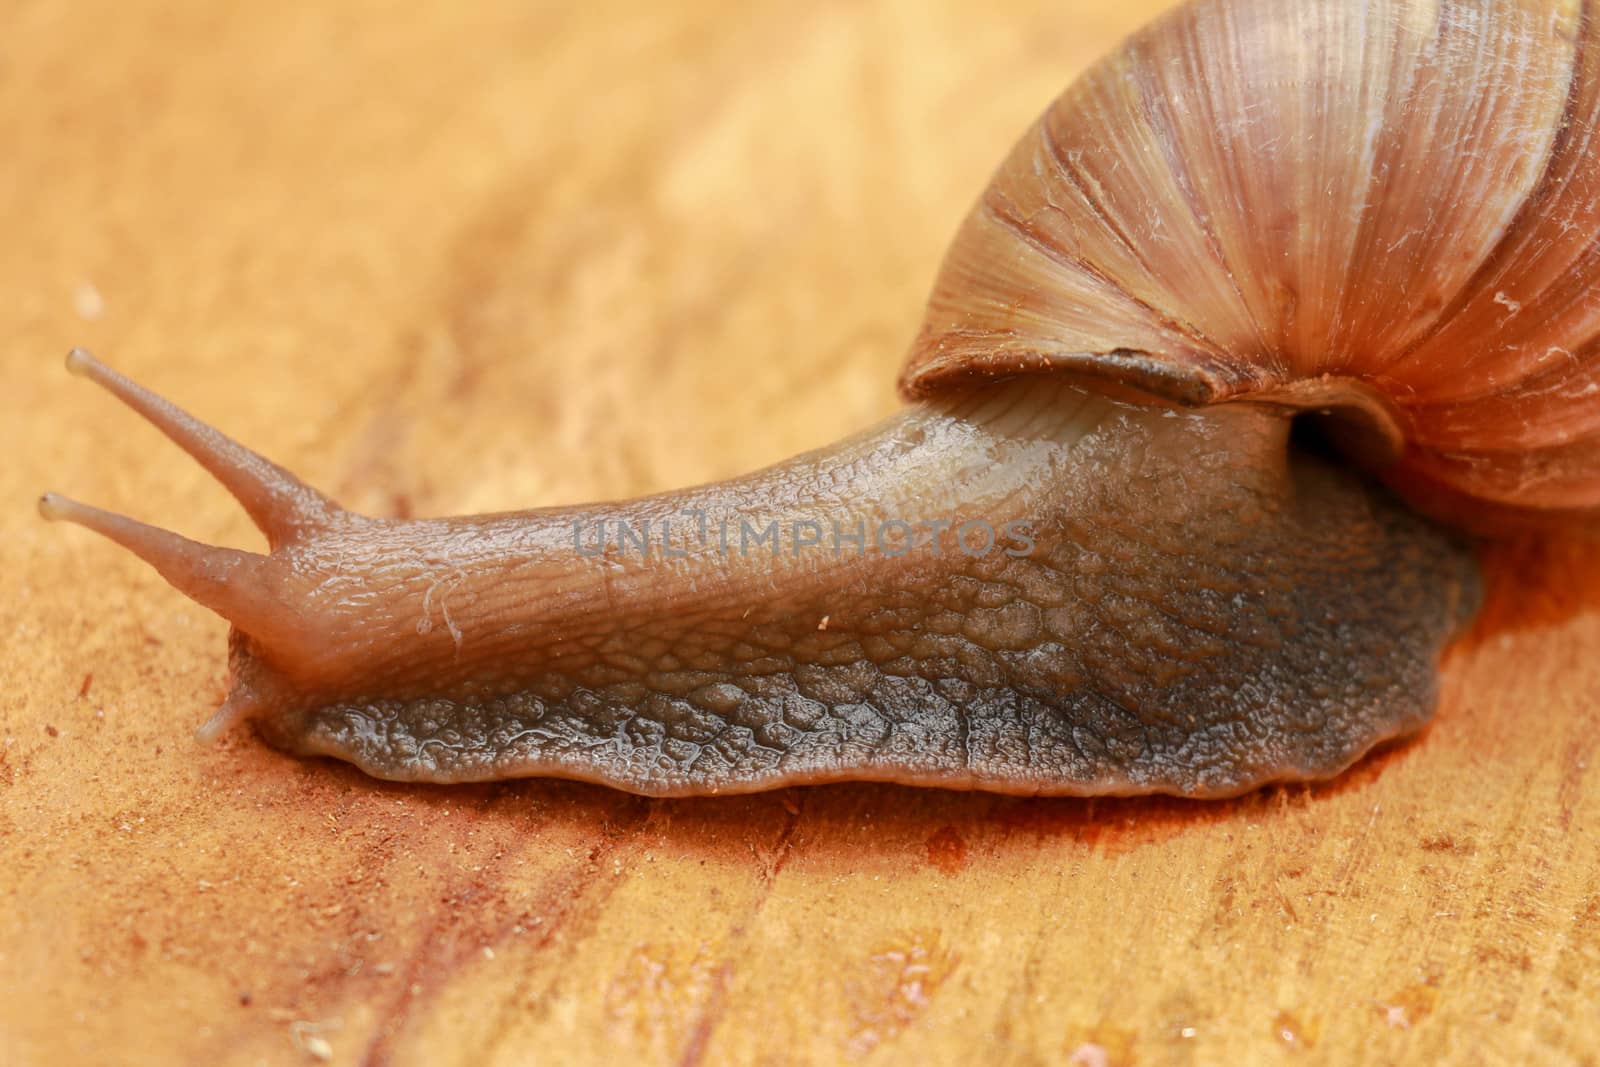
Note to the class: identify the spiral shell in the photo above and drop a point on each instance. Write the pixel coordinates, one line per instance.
(1389, 206)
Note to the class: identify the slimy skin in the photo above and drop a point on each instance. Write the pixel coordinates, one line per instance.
(1021, 587)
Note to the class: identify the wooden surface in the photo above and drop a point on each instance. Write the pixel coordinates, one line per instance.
(468, 258)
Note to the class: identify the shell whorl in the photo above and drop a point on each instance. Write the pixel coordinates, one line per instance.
(1381, 204)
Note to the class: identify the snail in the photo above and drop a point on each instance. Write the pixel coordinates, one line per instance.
(1266, 319)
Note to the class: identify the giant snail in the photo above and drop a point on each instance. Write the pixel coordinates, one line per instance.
(1264, 315)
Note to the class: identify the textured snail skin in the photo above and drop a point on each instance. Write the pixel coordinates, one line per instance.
(1189, 603)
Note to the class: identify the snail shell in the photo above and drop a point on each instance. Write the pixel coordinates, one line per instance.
(1386, 207)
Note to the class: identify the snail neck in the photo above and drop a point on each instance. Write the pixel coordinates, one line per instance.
(960, 478)
(947, 491)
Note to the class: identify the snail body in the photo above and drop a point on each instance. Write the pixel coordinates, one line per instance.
(1092, 555)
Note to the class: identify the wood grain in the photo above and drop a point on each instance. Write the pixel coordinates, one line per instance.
(464, 258)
